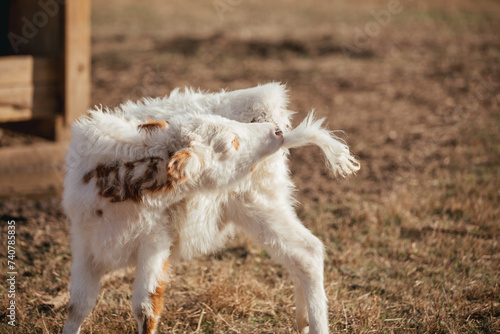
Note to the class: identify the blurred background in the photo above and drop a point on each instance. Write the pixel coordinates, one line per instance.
(412, 241)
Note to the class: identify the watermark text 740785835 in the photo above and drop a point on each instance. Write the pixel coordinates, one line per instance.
(11, 272)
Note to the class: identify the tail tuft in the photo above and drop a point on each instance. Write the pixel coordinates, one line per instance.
(311, 131)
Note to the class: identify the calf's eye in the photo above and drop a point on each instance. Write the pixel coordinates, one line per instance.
(225, 143)
(230, 144)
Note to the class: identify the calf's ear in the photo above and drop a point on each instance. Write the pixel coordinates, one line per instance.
(152, 126)
(183, 165)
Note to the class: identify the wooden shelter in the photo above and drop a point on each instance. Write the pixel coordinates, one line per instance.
(44, 86)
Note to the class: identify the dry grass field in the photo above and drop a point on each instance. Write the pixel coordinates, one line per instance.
(412, 241)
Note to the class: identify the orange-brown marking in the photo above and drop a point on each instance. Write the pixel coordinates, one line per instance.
(253, 169)
(152, 126)
(150, 323)
(175, 167)
(98, 213)
(236, 143)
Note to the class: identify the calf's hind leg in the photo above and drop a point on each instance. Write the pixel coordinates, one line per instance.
(278, 229)
(149, 287)
(84, 289)
(301, 315)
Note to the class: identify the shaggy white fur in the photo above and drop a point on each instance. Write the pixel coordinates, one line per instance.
(167, 179)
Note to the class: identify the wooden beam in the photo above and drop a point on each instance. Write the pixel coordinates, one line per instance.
(32, 169)
(77, 61)
(19, 96)
(23, 103)
(39, 183)
(31, 157)
(13, 114)
(44, 124)
(24, 70)
(16, 70)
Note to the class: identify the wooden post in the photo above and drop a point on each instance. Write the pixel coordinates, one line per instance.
(44, 87)
(76, 63)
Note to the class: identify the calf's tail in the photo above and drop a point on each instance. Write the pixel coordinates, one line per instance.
(311, 131)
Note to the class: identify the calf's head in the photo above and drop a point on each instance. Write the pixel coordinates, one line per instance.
(212, 151)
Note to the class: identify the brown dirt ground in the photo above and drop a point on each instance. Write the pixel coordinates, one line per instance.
(412, 241)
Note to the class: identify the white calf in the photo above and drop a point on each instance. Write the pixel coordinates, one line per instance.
(246, 193)
(121, 177)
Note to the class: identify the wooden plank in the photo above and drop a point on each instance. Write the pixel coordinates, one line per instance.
(45, 124)
(19, 96)
(16, 70)
(39, 183)
(13, 114)
(30, 157)
(30, 96)
(32, 170)
(24, 70)
(77, 61)
(22, 103)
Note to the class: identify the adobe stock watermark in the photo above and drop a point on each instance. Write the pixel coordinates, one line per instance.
(31, 26)
(222, 7)
(11, 272)
(364, 36)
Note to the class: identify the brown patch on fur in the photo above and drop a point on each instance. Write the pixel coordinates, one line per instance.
(175, 167)
(109, 192)
(88, 176)
(253, 168)
(107, 188)
(104, 171)
(236, 143)
(152, 126)
(98, 213)
(125, 185)
(151, 176)
(129, 165)
(132, 190)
